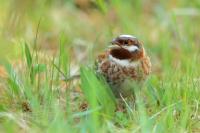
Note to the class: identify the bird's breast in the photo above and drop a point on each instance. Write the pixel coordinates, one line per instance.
(117, 73)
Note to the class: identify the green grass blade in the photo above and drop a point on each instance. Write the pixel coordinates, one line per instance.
(28, 56)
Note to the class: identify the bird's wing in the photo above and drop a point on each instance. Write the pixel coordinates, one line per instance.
(146, 65)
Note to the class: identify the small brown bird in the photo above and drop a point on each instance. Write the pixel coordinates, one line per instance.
(124, 60)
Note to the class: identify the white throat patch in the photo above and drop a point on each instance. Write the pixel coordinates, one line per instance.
(124, 62)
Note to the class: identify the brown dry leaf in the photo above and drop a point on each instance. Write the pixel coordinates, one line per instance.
(3, 73)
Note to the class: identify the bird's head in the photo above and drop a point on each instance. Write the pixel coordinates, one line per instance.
(126, 48)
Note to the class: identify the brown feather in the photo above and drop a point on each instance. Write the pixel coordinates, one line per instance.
(116, 75)
(121, 53)
(137, 55)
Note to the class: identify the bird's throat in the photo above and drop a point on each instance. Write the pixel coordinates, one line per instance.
(121, 54)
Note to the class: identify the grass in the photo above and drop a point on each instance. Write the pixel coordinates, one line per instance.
(39, 47)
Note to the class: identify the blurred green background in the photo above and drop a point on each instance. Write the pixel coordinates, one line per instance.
(73, 32)
(174, 22)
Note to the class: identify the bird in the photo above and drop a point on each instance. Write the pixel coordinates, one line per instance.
(124, 60)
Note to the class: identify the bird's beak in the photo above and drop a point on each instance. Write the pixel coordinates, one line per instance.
(115, 44)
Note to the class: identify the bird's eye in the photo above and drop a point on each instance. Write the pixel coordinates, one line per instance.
(126, 42)
(120, 41)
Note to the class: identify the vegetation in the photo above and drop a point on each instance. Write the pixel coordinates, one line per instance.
(44, 41)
